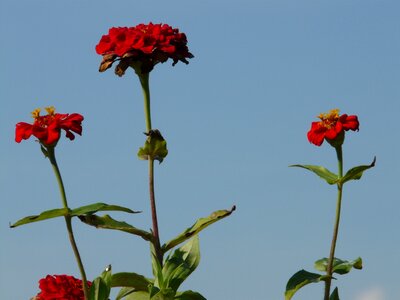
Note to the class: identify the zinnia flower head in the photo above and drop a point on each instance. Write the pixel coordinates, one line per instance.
(142, 47)
(47, 129)
(332, 127)
(61, 287)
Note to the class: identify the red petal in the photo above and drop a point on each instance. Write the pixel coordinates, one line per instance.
(72, 123)
(334, 131)
(350, 122)
(53, 135)
(23, 131)
(316, 134)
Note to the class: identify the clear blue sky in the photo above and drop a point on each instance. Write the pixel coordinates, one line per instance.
(234, 119)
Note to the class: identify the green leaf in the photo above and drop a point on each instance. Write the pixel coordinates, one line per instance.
(300, 279)
(335, 294)
(106, 222)
(356, 172)
(132, 280)
(44, 151)
(339, 266)
(106, 275)
(154, 148)
(161, 294)
(64, 212)
(48, 214)
(125, 291)
(189, 295)
(156, 268)
(181, 263)
(140, 295)
(154, 292)
(93, 208)
(101, 286)
(322, 172)
(99, 290)
(131, 294)
(196, 228)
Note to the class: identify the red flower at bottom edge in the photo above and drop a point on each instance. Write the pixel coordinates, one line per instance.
(60, 287)
(331, 126)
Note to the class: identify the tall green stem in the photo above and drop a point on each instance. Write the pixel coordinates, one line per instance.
(144, 80)
(329, 272)
(52, 158)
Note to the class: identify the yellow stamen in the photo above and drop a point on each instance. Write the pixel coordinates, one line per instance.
(328, 120)
(36, 113)
(331, 115)
(50, 110)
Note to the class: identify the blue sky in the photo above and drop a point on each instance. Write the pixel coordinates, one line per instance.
(234, 119)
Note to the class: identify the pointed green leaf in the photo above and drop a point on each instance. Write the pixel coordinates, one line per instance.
(64, 212)
(106, 275)
(339, 266)
(106, 222)
(300, 279)
(101, 286)
(189, 295)
(154, 148)
(196, 228)
(356, 172)
(132, 280)
(335, 294)
(99, 290)
(48, 214)
(181, 263)
(322, 172)
(93, 208)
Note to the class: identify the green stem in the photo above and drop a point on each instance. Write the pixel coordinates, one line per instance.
(144, 81)
(156, 234)
(329, 270)
(52, 158)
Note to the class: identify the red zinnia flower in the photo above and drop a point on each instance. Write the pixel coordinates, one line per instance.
(48, 128)
(61, 287)
(142, 46)
(331, 127)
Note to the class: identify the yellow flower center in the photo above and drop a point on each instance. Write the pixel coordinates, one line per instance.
(44, 121)
(50, 110)
(328, 120)
(36, 113)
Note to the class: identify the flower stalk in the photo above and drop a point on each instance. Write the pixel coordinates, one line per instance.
(144, 81)
(329, 270)
(51, 155)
